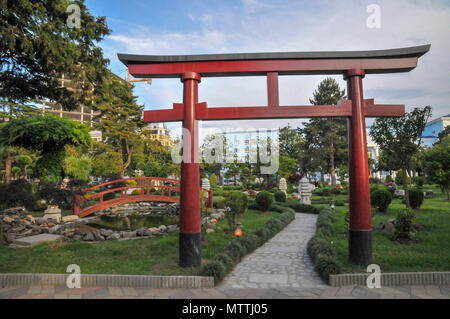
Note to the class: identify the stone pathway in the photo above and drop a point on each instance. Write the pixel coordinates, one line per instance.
(281, 262)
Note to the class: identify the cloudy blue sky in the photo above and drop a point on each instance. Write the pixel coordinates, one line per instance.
(212, 26)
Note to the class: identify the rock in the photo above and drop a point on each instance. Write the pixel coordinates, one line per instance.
(129, 234)
(70, 218)
(98, 237)
(8, 220)
(17, 229)
(39, 220)
(105, 233)
(53, 217)
(389, 228)
(143, 232)
(114, 236)
(11, 237)
(82, 231)
(163, 228)
(51, 224)
(14, 210)
(154, 231)
(26, 233)
(209, 231)
(399, 192)
(172, 228)
(210, 225)
(77, 237)
(89, 237)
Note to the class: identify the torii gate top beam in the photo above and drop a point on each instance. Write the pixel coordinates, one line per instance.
(285, 63)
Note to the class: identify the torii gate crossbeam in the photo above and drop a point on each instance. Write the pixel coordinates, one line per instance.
(353, 65)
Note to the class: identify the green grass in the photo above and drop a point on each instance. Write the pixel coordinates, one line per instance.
(143, 256)
(432, 253)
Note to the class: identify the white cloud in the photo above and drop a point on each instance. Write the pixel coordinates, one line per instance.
(264, 26)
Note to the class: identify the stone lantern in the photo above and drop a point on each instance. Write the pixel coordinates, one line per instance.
(305, 189)
(205, 184)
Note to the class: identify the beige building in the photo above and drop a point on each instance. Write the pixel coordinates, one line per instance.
(160, 132)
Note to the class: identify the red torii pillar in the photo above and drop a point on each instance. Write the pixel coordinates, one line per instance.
(353, 65)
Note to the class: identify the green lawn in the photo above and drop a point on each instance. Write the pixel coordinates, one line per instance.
(432, 253)
(143, 256)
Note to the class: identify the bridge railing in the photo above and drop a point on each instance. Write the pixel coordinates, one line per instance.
(151, 188)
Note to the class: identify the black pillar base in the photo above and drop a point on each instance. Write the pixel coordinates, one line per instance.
(190, 250)
(360, 247)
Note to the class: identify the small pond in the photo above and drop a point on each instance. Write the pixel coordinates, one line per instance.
(134, 222)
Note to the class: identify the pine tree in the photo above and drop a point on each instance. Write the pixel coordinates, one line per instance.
(38, 46)
(120, 118)
(325, 146)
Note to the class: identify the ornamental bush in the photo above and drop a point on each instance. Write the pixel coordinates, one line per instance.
(225, 260)
(327, 265)
(238, 203)
(235, 250)
(404, 224)
(380, 199)
(415, 197)
(249, 242)
(264, 200)
(214, 269)
(274, 225)
(280, 196)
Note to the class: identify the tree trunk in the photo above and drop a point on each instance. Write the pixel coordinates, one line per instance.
(322, 177)
(8, 169)
(234, 175)
(405, 187)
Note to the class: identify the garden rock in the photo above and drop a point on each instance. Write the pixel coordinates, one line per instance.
(143, 232)
(105, 233)
(98, 237)
(163, 228)
(172, 228)
(129, 234)
(89, 237)
(114, 236)
(70, 218)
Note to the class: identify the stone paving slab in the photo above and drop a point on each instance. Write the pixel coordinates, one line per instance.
(35, 240)
(281, 262)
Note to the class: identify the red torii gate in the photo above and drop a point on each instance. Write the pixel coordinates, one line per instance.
(354, 65)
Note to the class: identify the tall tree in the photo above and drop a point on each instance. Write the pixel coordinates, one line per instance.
(326, 144)
(399, 139)
(48, 134)
(120, 118)
(437, 164)
(38, 46)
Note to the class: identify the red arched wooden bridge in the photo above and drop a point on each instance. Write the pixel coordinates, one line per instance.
(155, 189)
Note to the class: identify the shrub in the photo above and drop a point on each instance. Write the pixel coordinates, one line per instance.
(399, 178)
(327, 265)
(213, 180)
(336, 190)
(238, 203)
(315, 245)
(219, 202)
(380, 199)
(215, 269)
(300, 208)
(415, 197)
(235, 250)
(326, 191)
(136, 192)
(274, 225)
(404, 224)
(339, 203)
(374, 180)
(225, 260)
(263, 234)
(249, 242)
(109, 196)
(131, 183)
(325, 227)
(264, 200)
(252, 193)
(280, 196)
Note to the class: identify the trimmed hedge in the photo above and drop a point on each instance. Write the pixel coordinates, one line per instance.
(225, 260)
(213, 268)
(300, 208)
(320, 249)
(415, 197)
(380, 199)
(280, 196)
